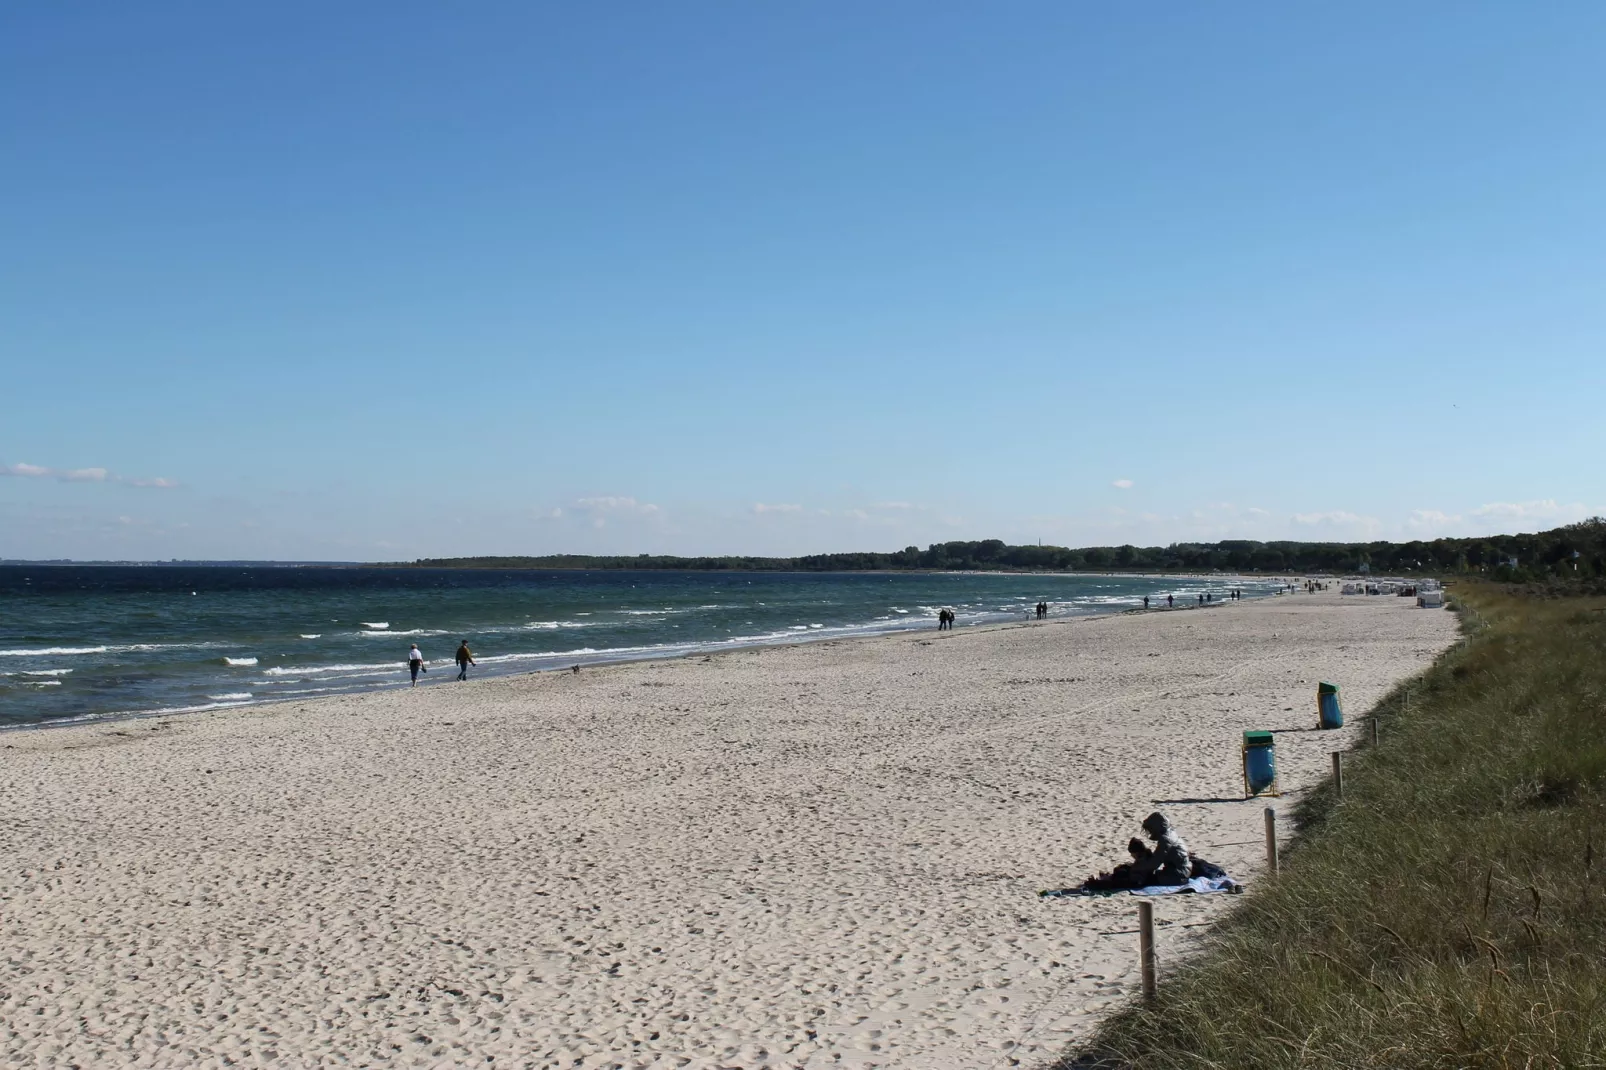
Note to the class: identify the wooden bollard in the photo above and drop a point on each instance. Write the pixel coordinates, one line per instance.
(1146, 948)
(1338, 774)
(1374, 730)
(1271, 841)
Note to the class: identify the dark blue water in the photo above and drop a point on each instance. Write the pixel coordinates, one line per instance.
(94, 641)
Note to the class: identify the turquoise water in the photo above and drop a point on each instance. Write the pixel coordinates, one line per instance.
(84, 642)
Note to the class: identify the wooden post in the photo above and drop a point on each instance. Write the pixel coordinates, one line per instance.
(1271, 841)
(1146, 948)
(1374, 729)
(1338, 774)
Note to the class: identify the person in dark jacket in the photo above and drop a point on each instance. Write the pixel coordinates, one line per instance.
(1168, 863)
(464, 660)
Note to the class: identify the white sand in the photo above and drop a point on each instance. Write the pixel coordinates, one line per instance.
(821, 855)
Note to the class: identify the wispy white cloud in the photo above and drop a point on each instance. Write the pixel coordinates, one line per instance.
(83, 475)
(761, 507)
(1430, 521)
(1543, 509)
(599, 510)
(613, 504)
(1497, 518)
(1340, 522)
(1122, 484)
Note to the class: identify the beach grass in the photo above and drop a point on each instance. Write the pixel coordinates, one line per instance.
(1450, 910)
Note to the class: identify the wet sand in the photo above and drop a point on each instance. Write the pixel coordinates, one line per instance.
(819, 855)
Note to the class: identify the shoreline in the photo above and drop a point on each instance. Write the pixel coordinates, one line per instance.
(604, 658)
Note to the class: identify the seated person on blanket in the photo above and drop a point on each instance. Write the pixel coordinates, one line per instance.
(1167, 862)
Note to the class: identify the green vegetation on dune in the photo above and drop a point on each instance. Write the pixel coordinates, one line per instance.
(1571, 551)
(1451, 910)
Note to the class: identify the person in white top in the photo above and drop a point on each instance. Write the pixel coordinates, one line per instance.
(415, 662)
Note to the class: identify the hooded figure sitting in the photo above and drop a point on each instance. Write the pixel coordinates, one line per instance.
(1168, 863)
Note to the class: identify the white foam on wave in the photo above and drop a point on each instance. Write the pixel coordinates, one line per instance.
(53, 650)
(304, 670)
(233, 696)
(317, 636)
(240, 662)
(44, 672)
(377, 634)
(550, 654)
(160, 711)
(379, 624)
(43, 683)
(554, 625)
(122, 649)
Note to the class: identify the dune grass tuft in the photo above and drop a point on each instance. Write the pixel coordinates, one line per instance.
(1451, 910)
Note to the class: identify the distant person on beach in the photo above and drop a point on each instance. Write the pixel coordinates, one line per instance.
(1145, 601)
(464, 659)
(1170, 603)
(415, 662)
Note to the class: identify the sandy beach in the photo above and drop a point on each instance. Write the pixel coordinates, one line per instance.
(819, 855)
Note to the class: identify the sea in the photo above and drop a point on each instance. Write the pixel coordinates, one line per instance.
(88, 642)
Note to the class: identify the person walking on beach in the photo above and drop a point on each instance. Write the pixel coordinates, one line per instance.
(464, 659)
(1145, 601)
(415, 663)
(1170, 602)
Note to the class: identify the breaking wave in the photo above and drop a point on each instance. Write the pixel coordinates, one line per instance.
(53, 650)
(303, 670)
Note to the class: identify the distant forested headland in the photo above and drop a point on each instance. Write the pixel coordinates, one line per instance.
(1577, 550)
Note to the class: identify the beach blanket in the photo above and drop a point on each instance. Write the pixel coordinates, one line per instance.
(1197, 886)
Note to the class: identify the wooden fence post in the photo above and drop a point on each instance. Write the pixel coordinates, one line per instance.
(1271, 841)
(1146, 948)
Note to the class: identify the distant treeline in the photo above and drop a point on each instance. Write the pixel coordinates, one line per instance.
(1574, 550)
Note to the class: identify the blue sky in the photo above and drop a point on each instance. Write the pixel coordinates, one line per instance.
(384, 281)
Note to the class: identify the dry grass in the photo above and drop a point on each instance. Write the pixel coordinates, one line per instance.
(1451, 911)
